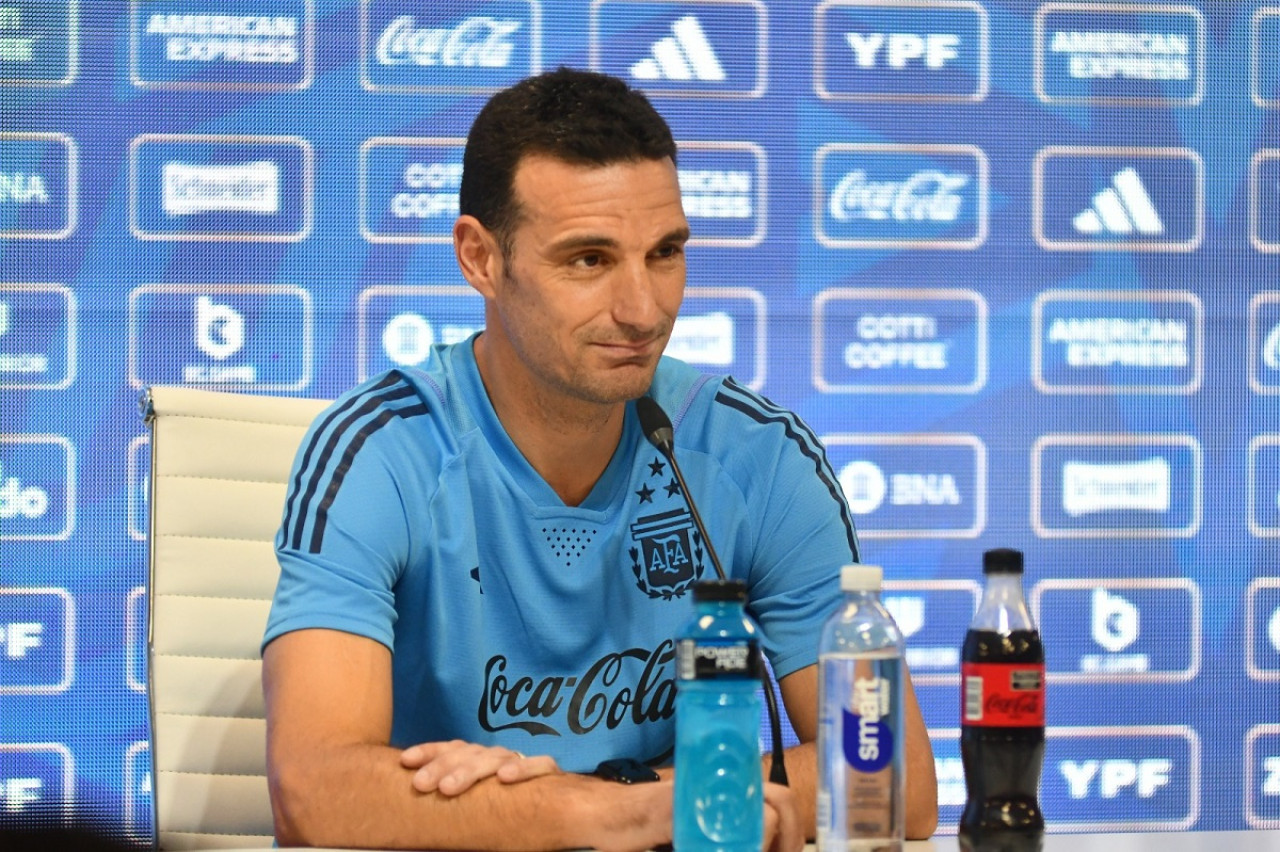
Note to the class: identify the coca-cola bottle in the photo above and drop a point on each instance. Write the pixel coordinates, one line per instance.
(1002, 715)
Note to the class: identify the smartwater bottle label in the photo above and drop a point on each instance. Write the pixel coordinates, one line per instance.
(868, 738)
(707, 662)
(1003, 695)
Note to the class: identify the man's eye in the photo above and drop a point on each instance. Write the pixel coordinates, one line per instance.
(670, 251)
(587, 260)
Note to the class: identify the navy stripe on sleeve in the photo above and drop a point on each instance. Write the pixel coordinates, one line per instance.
(763, 411)
(296, 488)
(344, 465)
(318, 472)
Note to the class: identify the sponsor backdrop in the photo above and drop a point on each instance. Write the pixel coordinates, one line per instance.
(1014, 261)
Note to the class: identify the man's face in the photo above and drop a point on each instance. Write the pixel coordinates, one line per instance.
(594, 276)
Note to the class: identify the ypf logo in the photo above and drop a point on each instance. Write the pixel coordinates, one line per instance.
(36, 780)
(930, 51)
(37, 641)
(1122, 778)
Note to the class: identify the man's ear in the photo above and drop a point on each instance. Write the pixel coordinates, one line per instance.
(478, 253)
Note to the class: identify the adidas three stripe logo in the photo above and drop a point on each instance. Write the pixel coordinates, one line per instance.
(686, 54)
(1120, 209)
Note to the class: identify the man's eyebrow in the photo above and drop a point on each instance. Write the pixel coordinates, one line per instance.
(580, 241)
(679, 235)
(583, 241)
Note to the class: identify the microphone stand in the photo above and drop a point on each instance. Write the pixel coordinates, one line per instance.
(658, 430)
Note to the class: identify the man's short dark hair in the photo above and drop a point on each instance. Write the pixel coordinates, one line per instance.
(578, 117)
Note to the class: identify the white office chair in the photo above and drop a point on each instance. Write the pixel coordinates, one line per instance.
(219, 465)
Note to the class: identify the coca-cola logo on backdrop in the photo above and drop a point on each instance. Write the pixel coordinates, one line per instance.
(927, 195)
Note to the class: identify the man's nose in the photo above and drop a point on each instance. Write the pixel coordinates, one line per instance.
(635, 297)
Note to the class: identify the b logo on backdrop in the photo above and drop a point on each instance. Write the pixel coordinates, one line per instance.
(221, 337)
(1102, 632)
(222, 45)
(411, 47)
(39, 42)
(37, 337)
(707, 49)
(929, 51)
(38, 185)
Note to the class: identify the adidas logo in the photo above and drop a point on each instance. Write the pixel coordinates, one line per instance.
(686, 54)
(1121, 209)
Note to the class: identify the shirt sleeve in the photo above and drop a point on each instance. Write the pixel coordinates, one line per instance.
(344, 538)
(800, 526)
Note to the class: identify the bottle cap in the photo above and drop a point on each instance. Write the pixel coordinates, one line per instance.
(1002, 560)
(720, 590)
(861, 578)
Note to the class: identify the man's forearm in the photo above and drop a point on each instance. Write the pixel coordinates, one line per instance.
(362, 796)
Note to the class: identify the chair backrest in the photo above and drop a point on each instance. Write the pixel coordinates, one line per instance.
(219, 465)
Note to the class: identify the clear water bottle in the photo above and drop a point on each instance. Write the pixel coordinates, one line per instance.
(861, 733)
(719, 790)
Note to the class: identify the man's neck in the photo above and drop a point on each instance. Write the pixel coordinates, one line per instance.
(569, 442)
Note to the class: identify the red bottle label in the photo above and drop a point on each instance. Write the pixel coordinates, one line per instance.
(1003, 695)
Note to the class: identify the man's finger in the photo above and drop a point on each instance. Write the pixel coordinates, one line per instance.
(523, 768)
(788, 836)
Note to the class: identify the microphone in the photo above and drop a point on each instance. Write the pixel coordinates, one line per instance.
(657, 429)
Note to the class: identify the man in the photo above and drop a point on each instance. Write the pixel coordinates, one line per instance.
(484, 559)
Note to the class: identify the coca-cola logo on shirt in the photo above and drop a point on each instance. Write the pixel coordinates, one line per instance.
(477, 42)
(634, 686)
(928, 195)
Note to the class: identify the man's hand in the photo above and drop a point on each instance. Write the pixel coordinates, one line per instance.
(782, 831)
(451, 768)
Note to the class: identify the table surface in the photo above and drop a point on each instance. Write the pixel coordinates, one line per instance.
(1182, 841)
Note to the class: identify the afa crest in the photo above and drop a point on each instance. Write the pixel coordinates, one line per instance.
(669, 558)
